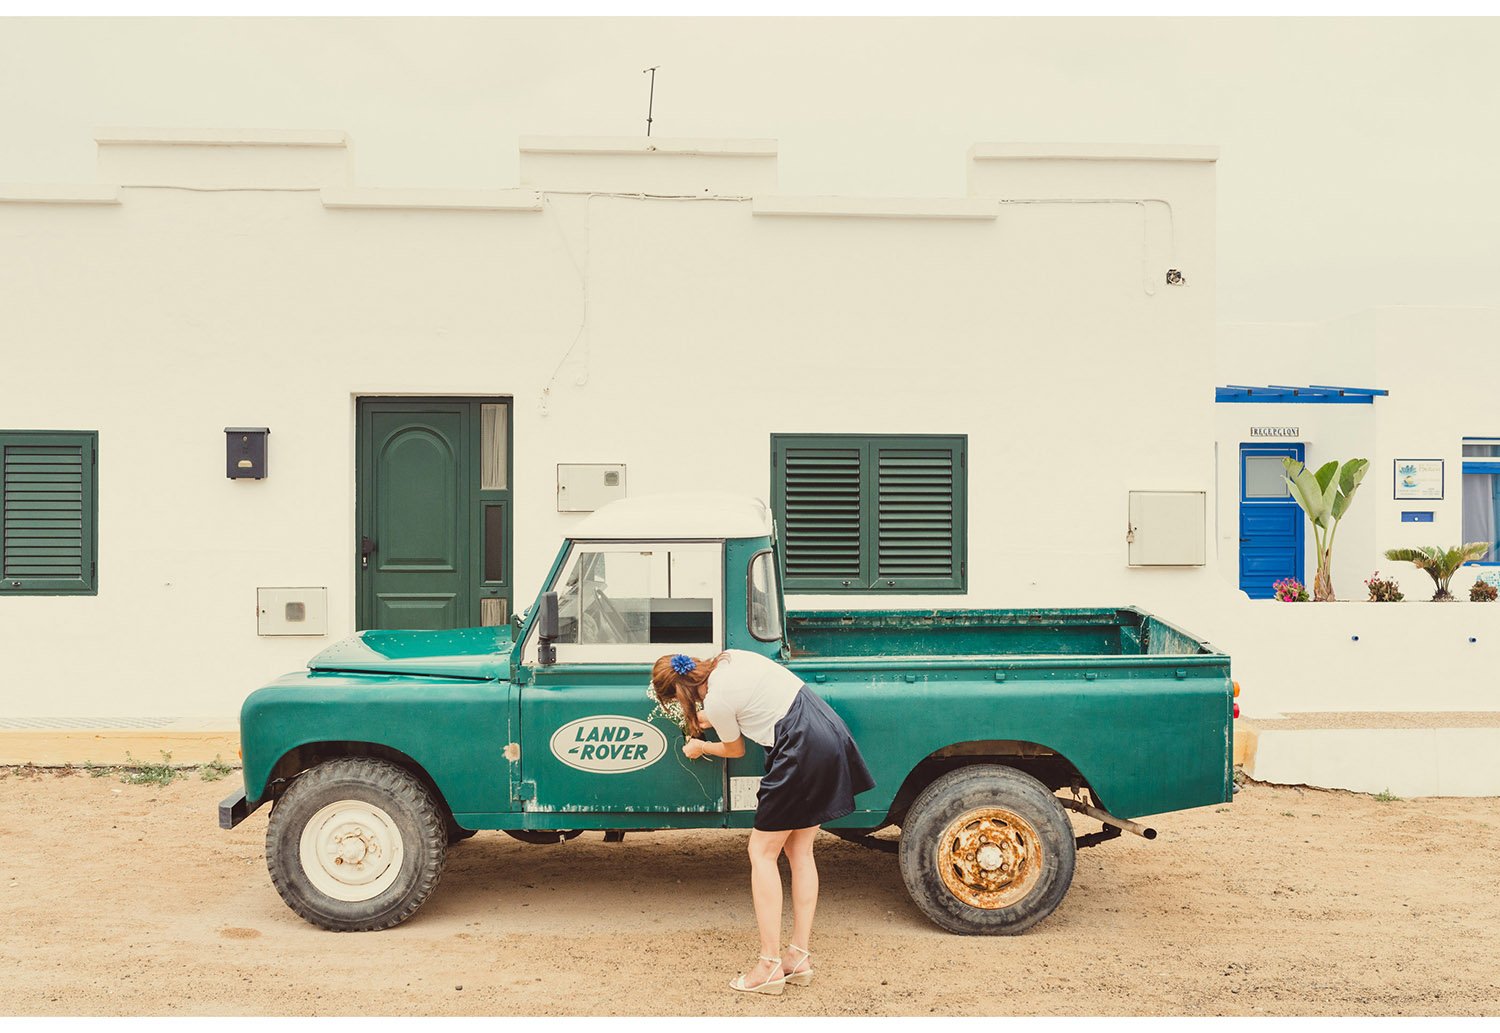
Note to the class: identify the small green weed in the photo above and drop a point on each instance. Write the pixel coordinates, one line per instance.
(214, 770)
(1386, 796)
(1287, 814)
(138, 774)
(1221, 810)
(97, 770)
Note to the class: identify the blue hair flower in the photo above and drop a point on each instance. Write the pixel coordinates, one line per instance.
(682, 663)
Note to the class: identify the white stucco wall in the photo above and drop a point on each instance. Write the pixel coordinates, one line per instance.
(675, 335)
(671, 334)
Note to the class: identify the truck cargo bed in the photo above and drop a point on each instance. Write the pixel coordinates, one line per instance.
(992, 635)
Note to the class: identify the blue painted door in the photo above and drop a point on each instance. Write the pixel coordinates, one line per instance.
(1271, 522)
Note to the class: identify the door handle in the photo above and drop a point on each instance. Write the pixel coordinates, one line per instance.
(366, 546)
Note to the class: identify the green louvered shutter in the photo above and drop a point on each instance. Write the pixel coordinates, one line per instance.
(47, 524)
(915, 509)
(861, 512)
(822, 518)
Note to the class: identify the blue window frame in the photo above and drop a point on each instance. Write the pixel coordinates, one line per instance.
(1481, 495)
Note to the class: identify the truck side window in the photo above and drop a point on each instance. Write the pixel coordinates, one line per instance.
(765, 605)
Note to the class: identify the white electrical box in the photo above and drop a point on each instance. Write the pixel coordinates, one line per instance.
(291, 611)
(1167, 529)
(584, 487)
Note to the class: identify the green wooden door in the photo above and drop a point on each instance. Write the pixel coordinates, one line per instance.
(433, 502)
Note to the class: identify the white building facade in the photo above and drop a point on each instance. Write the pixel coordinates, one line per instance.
(637, 316)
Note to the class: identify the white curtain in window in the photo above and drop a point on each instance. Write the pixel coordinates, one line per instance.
(1479, 511)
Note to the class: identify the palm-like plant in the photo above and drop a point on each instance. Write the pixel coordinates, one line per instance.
(1325, 497)
(1441, 564)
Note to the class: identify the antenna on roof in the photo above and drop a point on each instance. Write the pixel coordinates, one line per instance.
(652, 101)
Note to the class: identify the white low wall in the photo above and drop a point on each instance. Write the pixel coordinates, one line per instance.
(1405, 762)
(1357, 656)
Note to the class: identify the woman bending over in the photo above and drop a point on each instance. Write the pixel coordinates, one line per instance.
(813, 772)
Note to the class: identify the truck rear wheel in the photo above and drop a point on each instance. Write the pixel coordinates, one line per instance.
(356, 844)
(987, 849)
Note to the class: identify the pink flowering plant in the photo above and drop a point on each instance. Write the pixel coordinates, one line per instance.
(1384, 590)
(1290, 590)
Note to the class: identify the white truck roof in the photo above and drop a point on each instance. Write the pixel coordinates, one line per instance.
(677, 516)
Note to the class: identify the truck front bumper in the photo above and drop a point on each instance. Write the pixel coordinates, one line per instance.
(234, 809)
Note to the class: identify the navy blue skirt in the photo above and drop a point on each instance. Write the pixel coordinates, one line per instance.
(813, 768)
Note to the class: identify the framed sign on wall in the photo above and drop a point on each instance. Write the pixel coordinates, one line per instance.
(1418, 479)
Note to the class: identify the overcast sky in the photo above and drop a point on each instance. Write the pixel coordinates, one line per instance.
(1359, 164)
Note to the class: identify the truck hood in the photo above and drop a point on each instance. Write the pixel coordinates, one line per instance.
(482, 653)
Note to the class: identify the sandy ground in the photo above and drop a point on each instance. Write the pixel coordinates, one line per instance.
(128, 900)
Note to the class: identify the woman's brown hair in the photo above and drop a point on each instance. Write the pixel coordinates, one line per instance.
(685, 688)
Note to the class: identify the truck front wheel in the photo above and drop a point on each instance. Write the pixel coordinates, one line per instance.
(356, 844)
(987, 849)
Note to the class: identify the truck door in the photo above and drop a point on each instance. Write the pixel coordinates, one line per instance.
(588, 742)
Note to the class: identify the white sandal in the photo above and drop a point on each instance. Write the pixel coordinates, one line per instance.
(804, 976)
(770, 986)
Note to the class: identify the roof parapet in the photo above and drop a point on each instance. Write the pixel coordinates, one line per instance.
(1092, 152)
(651, 166)
(225, 159)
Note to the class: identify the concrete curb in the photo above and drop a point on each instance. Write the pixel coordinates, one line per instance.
(53, 747)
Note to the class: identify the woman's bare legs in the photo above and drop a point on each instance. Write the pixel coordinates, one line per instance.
(765, 891)
(799, 856)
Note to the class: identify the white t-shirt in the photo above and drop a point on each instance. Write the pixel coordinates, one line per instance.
(747, 694)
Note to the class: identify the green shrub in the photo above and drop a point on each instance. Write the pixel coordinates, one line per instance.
(138, 774)
(214, 770)
(1483, 593)
(1441, 564)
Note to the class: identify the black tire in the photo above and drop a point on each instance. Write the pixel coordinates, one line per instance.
(342, 815)
(1009, 851)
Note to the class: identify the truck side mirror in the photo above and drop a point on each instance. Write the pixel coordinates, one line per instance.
(546, 652)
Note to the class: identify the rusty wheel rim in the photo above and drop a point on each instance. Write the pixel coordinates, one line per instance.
(990, 857)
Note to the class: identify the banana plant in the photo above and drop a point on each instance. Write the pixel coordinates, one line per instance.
(1325, 497)
(1441, 564)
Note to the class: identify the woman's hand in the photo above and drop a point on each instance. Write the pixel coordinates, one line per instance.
(694, 748)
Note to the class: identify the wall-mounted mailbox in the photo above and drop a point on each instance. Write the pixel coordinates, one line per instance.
(1419, 516)
(291, 611)
(246, 449)
(584, 487)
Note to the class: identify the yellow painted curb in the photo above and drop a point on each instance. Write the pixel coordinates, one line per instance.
(54, 747)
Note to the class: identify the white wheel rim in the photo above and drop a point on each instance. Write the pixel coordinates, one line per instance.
(351, 850)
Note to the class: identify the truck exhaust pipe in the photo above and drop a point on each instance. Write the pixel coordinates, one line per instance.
(1109, 819)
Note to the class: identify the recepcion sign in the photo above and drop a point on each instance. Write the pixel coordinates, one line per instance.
(1418, 479)
(1275, 432)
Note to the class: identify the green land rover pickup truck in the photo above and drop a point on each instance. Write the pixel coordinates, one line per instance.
(982, 727)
